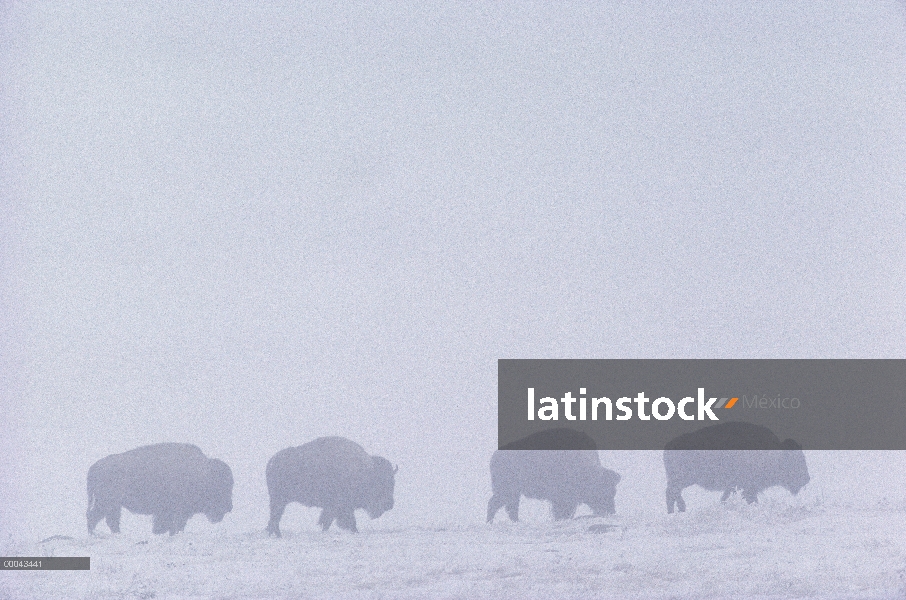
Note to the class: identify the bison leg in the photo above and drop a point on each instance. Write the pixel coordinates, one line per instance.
(273, 526)
(326, 519)
(346, 520)
(178, 524)
(113, 519)
(728, 492)
(512, 508)
(494, 505)
(675, 497)
(161, 523)
(94, 516)
(563, 510)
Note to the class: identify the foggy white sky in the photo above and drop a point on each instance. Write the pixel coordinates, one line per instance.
(246, 226)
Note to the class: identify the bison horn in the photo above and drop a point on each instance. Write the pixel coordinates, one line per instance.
(395, 469)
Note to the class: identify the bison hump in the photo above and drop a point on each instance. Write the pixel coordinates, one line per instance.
(168, 451)
(733, 435)
(336, 455)
(558, 438)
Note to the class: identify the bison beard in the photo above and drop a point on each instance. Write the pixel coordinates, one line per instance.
(731, 456)
(334, 474)
(170, 481)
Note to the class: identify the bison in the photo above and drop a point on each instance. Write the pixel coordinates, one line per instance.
(566, 478)
(170, 481)
(334, 474)
(730, 456)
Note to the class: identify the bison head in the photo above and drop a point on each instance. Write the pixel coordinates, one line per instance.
(795, 470)
(219, 497)
(603, 490)
(379, 497)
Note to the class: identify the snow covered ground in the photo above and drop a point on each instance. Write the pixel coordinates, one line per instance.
(780, 548)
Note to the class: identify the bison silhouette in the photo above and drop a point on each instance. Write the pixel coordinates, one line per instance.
(170, 481)
(730, 456)
(334, 474)
(566, 478)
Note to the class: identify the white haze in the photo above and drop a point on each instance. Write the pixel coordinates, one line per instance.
(247, 226)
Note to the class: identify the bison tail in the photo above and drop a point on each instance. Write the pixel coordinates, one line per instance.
(92, 496)
(92, 502)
